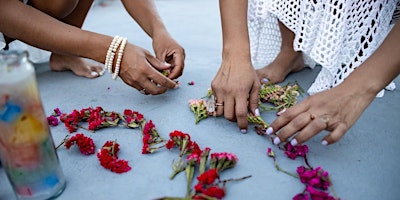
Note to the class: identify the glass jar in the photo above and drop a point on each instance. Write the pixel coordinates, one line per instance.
(27, 150)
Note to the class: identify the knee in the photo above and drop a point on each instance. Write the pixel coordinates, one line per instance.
(58, 9)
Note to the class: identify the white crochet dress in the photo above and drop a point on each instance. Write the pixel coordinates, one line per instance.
(337, 34)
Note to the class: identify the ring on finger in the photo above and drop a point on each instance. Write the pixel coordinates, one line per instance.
(312, 116)
(325, 119)
(219, 104)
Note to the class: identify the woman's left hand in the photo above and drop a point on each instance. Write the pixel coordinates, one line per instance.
(335, 110)
(169, 51)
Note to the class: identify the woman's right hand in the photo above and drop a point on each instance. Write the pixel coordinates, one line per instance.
(140, 70)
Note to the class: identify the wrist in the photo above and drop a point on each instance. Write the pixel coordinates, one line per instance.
(236, 53)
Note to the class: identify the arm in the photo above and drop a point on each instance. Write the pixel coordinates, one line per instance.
(25, 23)
(337, 109)
(34, 27)
(144, 12)
(236, 84)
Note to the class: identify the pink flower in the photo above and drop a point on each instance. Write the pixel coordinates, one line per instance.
(53, 121)
(293, 151)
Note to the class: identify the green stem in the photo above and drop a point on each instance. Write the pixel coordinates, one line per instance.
(284, 171)
(63, 141)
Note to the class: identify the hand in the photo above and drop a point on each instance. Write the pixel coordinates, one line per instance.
(140, 70)
(169, 51)
(335, 110)
(236, 88)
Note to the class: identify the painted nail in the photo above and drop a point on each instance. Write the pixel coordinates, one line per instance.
(244, 131)
(101, 73)
(324, 142)
(293, 142)
(167, 64)
(257, 112)
(265, 80)
(269, 130)
(93, 73)
(277, 140)
(281, 112)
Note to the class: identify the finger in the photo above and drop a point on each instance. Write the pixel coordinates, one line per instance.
(295, 125)
(153, 88)
(156, 63)
(161, 56)
(160, 79)
(286, 117)
(179, 64)
(241, 114)
(335, 135)
(219, 107)
(254, 99)
(313, 128)
(229, 109)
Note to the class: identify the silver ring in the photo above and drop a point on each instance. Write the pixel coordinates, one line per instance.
(219, 104)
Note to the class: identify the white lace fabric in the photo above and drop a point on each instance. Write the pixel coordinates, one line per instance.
(336, 34)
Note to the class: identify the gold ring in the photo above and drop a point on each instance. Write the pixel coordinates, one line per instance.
(325, 120)
(219, 104)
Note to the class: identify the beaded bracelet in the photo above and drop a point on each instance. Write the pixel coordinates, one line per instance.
(119, 58)
(108, 62)
(112, 49)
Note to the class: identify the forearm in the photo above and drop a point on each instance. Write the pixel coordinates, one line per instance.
(33, 27)
(380, 68)
(234, 28)
(144, 12)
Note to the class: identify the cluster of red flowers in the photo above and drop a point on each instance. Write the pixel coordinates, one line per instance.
(208, 186)
(85, 144)
(150, 138)
(98, 118)
(108, 157)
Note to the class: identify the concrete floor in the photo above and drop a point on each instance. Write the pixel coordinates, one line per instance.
(363, 165)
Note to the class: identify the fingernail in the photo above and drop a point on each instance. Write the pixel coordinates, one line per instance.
(93, 73)
(244, 131)
(324, 142)
(167, 64)
(265, 80)
(269, 130)
(293, 142)
(176, 86)
(101, 73)
(277, 140)
(257, 112)
(281, 112)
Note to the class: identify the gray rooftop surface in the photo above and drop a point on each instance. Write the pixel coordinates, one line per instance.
(363, 165)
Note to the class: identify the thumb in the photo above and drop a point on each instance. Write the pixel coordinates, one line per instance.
(157, 63)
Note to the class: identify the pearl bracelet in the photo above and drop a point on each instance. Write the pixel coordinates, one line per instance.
(108, 62)
(112, 49)
(119, 58)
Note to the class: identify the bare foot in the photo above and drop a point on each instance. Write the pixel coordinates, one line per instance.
(77, 65)
(285, 63)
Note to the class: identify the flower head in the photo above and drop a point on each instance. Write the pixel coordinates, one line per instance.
(222, 161)
(85, 144)
(108, 157)
(198, 107)
(293, 151)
